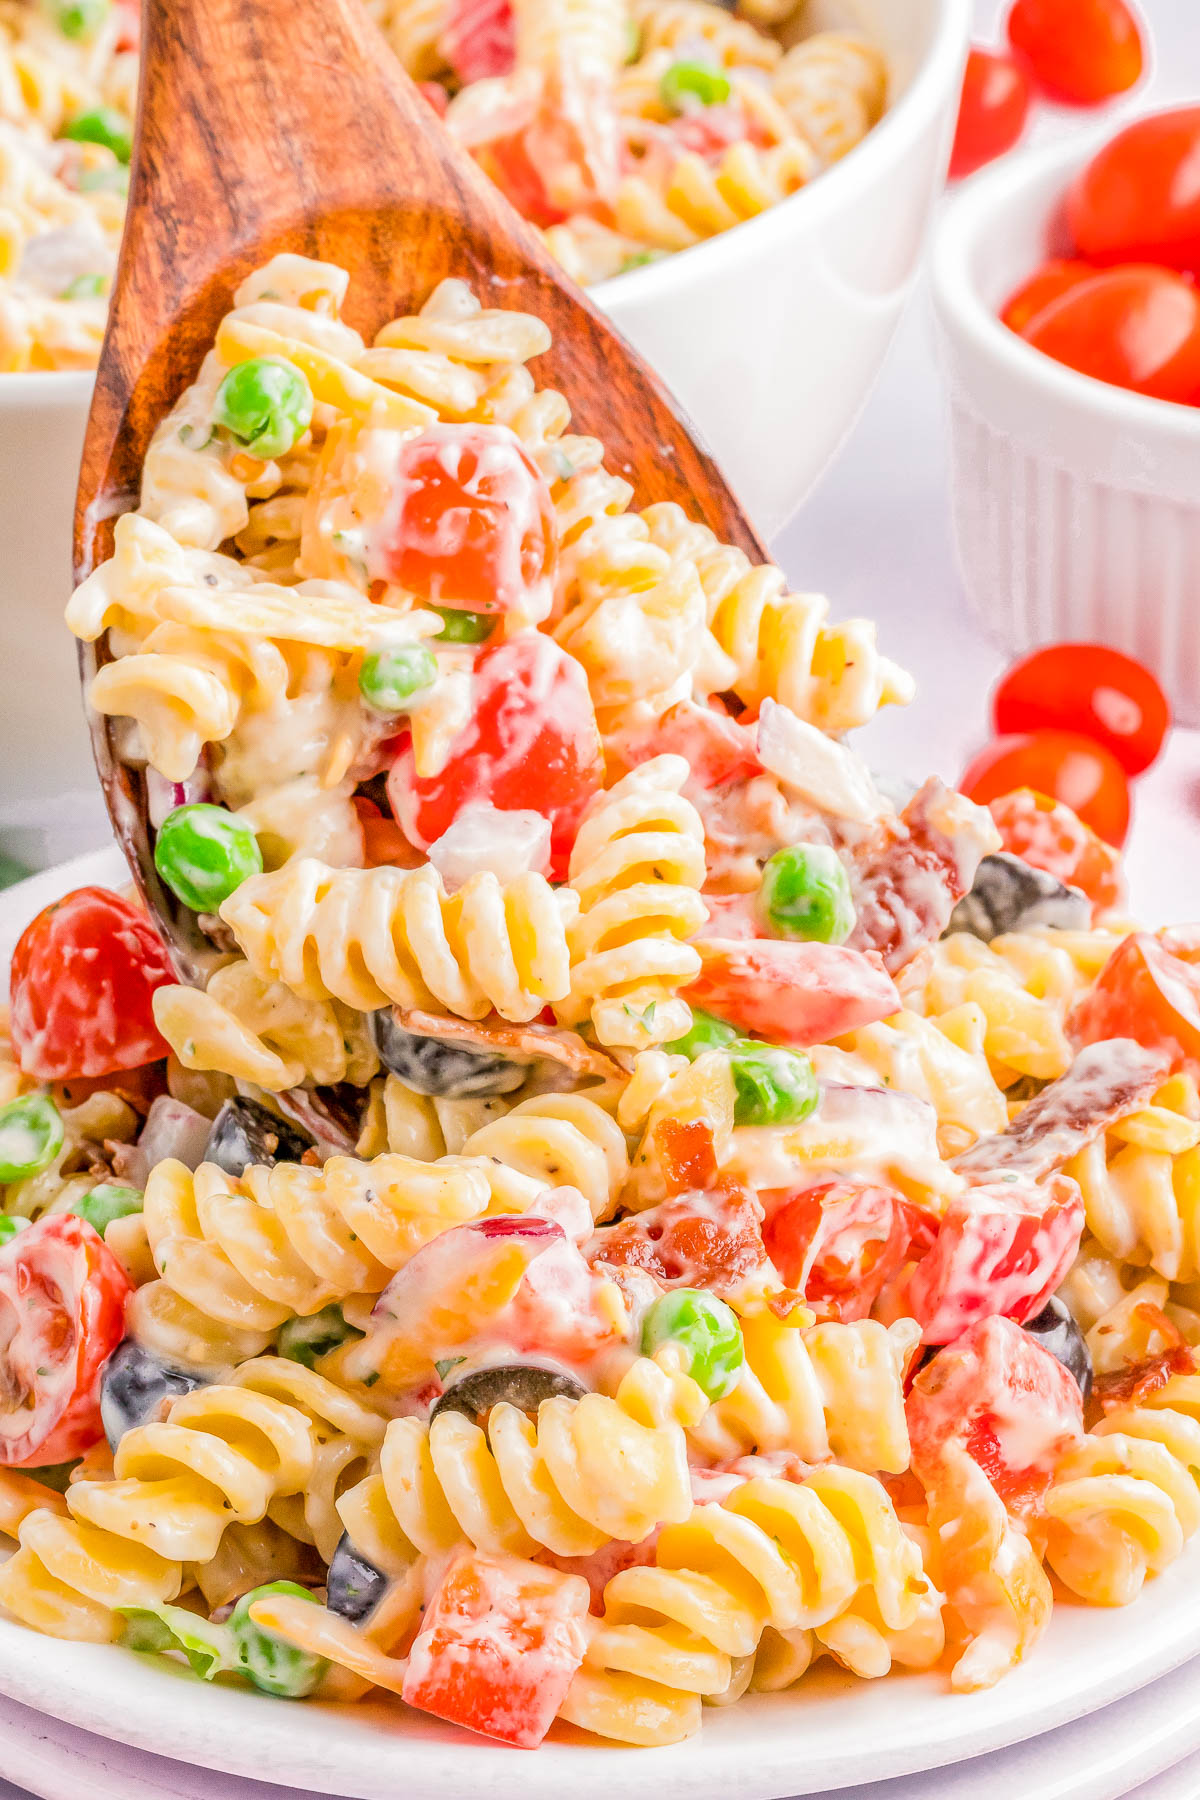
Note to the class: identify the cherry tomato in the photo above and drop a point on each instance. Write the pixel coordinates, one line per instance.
(716, 747)
(479, 39)
(840, 1242)
(792, 993)
(1046, 834)
(1138, 200)
(1149, 989)
(1003, 1247)
(1086, 775)
(1089, 689)
(1009, 1403)
(531, 744)
(1081, 51)
(1135, 327)
(992, 111)
(62, 1314)
(82, 977)
(472, 524)
(1050, 282)
(498, 1647)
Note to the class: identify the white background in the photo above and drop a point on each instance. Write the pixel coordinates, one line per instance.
(876, 537)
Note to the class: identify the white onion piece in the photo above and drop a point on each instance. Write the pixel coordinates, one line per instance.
(173, 1129)
(163, 796)
(827, 774)
(506, 843)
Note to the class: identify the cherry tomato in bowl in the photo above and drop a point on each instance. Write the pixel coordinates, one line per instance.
(1063, 765)
(1093, 690)
(1054, 279)
(82, 978)
(1079, 51)
(62, 1314)
(992, 111)
(1135, 327)
(1138, 200)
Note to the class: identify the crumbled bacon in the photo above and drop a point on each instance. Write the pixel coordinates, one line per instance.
(905, 891)
(1104, 1083)
(537, 1039)
(1134, 1385)
(707, 1240)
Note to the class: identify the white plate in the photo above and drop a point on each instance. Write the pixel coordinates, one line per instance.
(832, 1731)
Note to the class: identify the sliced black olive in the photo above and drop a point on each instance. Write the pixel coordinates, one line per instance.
(1010, 895)
(430, 1066)
(524, 1385)
(1056, 1331)
(246, 1132)
(354, 1586)
(136, 1388)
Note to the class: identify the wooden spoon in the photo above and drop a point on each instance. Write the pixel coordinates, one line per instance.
(271, 125)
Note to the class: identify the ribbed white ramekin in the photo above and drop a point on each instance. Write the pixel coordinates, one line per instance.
(1076, 504)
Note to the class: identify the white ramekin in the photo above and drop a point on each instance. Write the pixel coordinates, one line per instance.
(772, 334)
(1076, 504)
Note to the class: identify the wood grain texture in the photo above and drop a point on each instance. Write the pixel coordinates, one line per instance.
(270, 125)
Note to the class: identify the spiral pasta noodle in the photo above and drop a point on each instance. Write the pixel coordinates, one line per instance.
(939, 1059)
(637, 867)
(255, 1250)
(346, 1439)
(832, 1390)
(1125, 1501)
(374, 937)
(554, 1140)
(1141, 1184)
(414, 30)
(587, 34)
(699, 200)
(789, 1555)
(668, 24)
(833, 88)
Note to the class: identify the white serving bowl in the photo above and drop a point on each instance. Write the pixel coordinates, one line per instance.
(45, 752)
(772, 334)
(1076, 504)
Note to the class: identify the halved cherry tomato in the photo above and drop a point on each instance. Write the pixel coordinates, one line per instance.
(992, 111)
(839, 1242)
(1149, 989)
(1050, 282)
(62, 1314)
(498, 1647)
(1002, 1247)
(1136, 327)
(1090, 689)
(1081, 51)
(716, 747)
(479, 39)
(82, 977)
(1046, 834)
(792, 993)
(1138, 200)
(1067, 767)
(472, 523)
(531, 744)
(1009, 1403)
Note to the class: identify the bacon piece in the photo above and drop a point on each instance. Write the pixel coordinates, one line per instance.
(1135, 1385)
(1104, 1083)
(905, 891)
(707, 1240)
(554, 1042)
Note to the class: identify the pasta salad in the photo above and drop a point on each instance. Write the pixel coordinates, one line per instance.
(627, 1210)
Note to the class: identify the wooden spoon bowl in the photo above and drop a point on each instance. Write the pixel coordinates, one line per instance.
(287, 125)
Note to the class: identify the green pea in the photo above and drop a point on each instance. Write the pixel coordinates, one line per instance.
(308, 1340)
(268, 1660)
(692, 81)
(706, 1033)
(266, 404)
(79, 18)
(388, 679)
(805, 893)
(102, 125)
(204, 854)
(84, 287)
(10, 1224)
(31, 1136)
(706, 1329)
(773, 1086)
(464, 627)
(111, 1200)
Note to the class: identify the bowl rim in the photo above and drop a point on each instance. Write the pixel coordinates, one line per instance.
(935, 79)
(1044, 173)
(23, 388)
